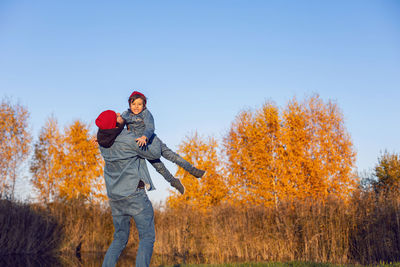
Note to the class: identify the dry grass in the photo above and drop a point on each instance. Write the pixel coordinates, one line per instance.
(292, 231)
(366, 231)
(27, 230)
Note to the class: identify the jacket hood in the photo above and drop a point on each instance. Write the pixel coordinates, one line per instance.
(106, 138)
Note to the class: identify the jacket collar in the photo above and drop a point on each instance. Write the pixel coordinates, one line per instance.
(106, 138)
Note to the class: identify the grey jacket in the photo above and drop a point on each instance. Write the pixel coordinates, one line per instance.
(125, 165)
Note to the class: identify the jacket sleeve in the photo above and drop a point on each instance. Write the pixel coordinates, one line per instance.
(125, 116)
(123, 148)
(151, 151)
(148, 123)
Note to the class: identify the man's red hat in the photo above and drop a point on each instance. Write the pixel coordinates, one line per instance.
(107, 120)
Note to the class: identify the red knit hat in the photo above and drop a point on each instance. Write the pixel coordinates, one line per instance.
(107, 120)
(140, 94)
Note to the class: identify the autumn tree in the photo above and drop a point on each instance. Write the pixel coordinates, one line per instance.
(385, 177)
(254, 151)
(319, 154)
(211, 189)
(15, 144)
(67, 166)
(46, 164)
(82, 174)
(299, 152)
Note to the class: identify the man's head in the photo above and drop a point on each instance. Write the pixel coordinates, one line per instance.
(110, 126)
(108, 120)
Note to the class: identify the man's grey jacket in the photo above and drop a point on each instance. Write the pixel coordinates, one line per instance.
(125, 165)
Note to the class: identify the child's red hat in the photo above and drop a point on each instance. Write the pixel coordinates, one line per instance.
(139, 93)
(107, 120)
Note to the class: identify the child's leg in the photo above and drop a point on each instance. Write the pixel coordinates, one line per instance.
(170, 155)
(161, 169)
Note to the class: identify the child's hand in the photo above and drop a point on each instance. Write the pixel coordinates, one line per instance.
(141, 141)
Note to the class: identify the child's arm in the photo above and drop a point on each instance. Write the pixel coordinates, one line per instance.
(125, 116)
(148, 123)
(149, 128)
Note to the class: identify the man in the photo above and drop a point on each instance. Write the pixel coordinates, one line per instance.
(126, 176)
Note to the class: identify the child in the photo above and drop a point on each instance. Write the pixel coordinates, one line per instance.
(139, 120)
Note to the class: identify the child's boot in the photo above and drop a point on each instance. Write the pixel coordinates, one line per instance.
(170, 155)
(196, 172)
(178, 185)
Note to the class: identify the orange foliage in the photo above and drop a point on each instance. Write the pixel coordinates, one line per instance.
(319, 153)
(83, 176)
(254, 151)
(211, 189)
(46, 164)
(303, 152)
(386, 174)
(15, 144)
(67, 166)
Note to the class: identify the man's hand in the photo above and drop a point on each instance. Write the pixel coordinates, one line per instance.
(141, 141)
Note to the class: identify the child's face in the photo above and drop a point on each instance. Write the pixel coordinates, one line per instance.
(137, 106)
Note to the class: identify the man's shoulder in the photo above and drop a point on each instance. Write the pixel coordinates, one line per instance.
(123, 142)
(123, 136)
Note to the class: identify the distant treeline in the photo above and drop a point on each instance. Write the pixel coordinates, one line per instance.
(281, 186)
(272, 154)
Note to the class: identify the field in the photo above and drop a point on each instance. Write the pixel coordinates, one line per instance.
(364, 231)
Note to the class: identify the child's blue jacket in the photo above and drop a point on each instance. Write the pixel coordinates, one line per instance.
(141, 124)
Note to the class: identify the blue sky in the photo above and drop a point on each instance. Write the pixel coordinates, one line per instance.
(201, 62)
